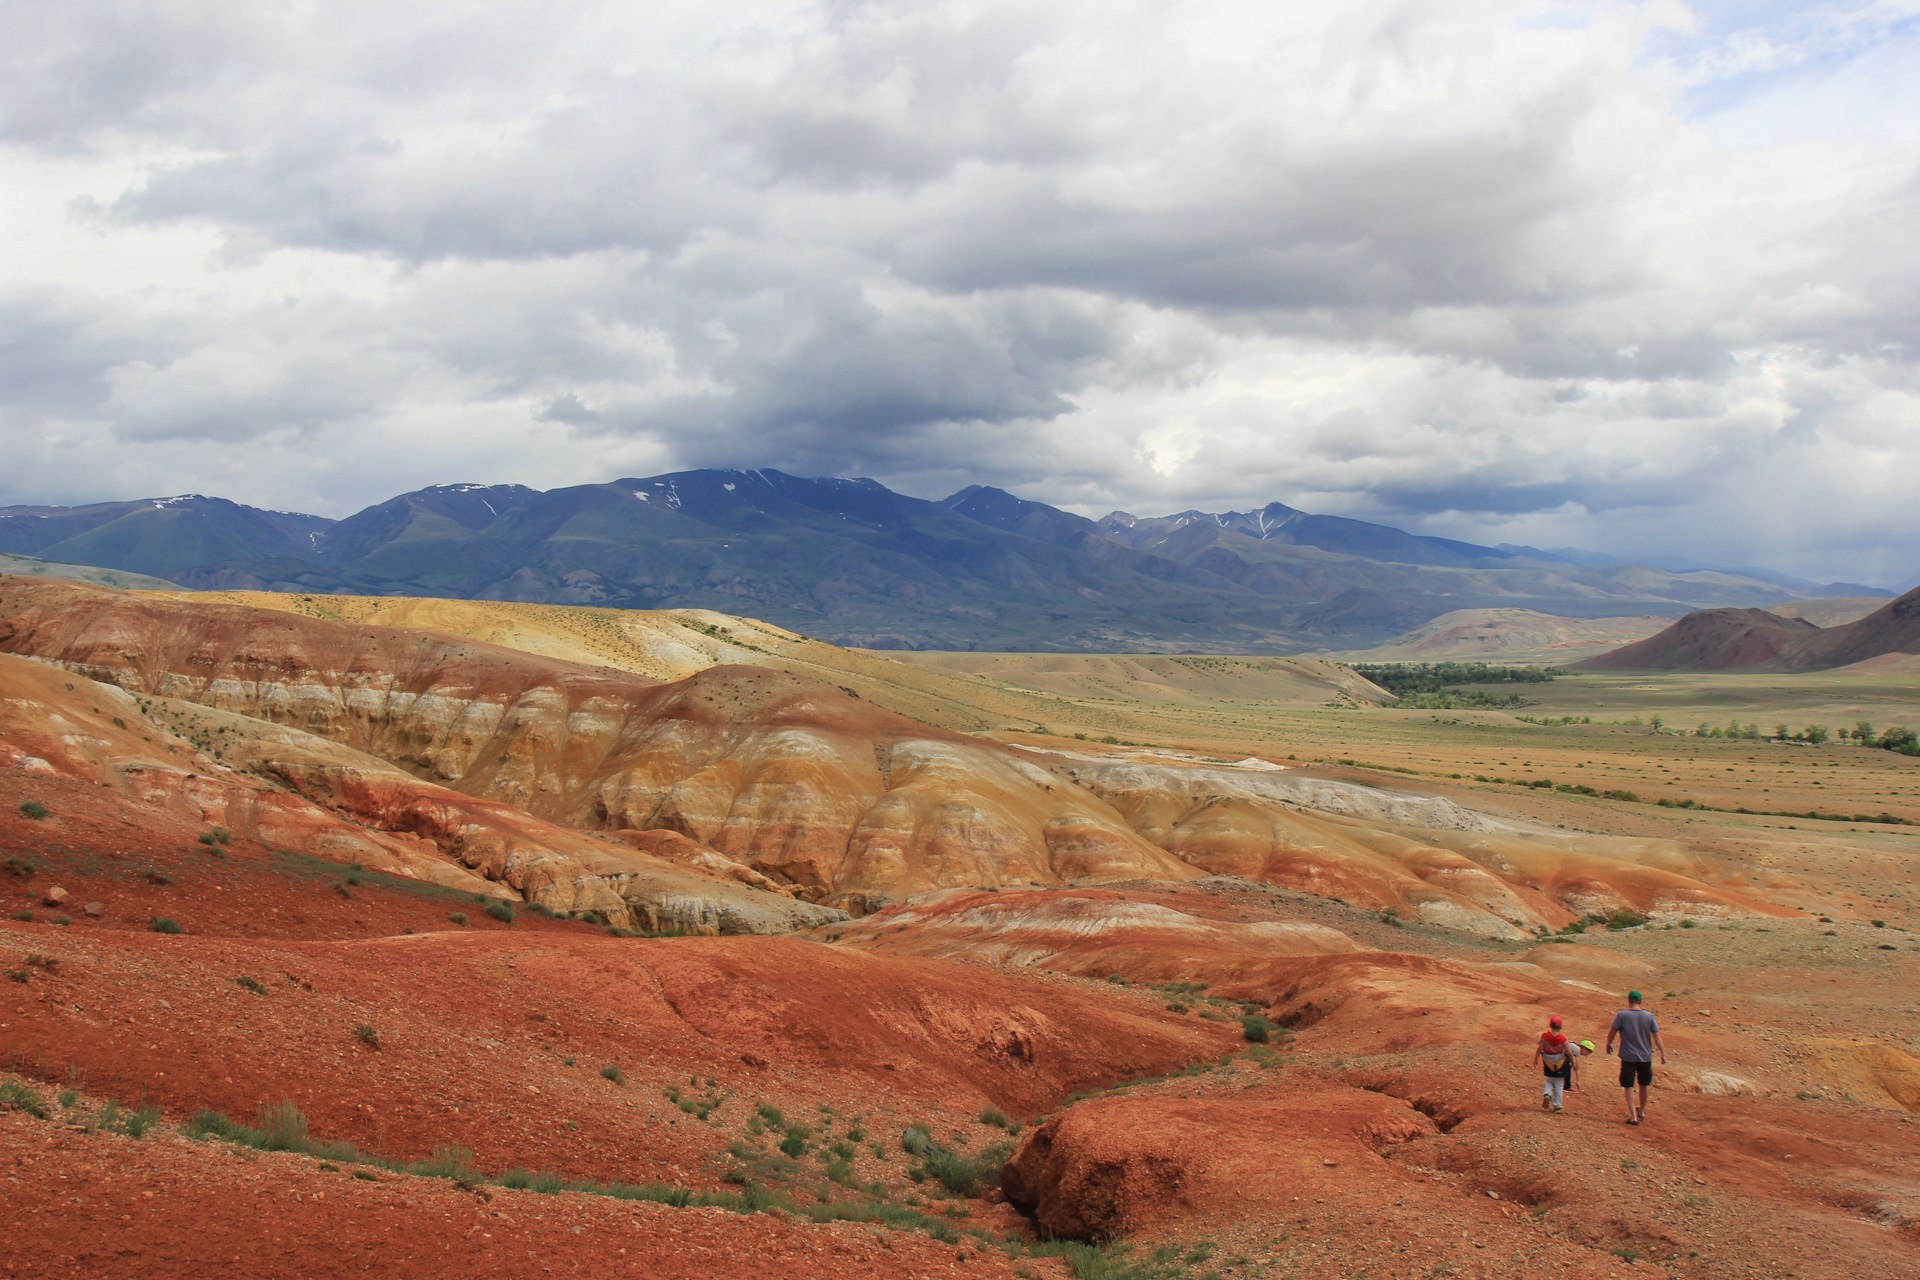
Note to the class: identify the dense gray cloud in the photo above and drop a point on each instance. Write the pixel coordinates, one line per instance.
(1632, 276)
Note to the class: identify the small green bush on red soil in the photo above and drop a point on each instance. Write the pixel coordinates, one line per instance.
(166, 924)
(35, 810)
(1258, 1027)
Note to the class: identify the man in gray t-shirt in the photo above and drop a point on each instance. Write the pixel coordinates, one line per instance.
(1639, 1034)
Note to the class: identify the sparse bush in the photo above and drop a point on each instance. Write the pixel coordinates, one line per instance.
(15, 1096)
(446, 1162)
(458, 917)
(966, 1175)
(252, 984)
(1625, 919)
(613, 1072)
(35, 810)
(166, 924)
(136, 1124)
(1258, 1027)
(998, 1118)
(367, 1036)
(283, 1126)
(24, 914)
(20, 867)
(501, 911)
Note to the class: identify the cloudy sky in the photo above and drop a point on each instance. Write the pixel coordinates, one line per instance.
(1644, 278)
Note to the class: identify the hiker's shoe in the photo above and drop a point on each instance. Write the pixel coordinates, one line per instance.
(1546, 1104)
(1557, 1110)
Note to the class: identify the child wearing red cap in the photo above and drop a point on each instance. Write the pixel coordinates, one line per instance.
(1555, 1057)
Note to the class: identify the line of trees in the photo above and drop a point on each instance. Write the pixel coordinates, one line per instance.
(1898, 738)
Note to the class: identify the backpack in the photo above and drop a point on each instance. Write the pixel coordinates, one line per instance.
(1553, 1058)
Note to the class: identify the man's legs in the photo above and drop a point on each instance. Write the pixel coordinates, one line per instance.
(1633, 1117)
(1643, 1101)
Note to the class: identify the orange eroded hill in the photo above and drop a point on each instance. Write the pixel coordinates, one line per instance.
(781, 781)
(785, 774)
(120, 775)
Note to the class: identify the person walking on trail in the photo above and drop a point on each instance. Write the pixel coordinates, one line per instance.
(1639, 1034)
(1554, 1053)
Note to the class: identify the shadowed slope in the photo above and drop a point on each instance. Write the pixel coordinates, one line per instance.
(1756, 640)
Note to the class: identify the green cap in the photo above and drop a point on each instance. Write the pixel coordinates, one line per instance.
(1634, 996)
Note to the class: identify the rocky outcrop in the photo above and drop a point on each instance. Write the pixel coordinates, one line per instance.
(1124, 1166)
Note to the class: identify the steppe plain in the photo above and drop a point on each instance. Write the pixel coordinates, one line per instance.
(1057, 1040)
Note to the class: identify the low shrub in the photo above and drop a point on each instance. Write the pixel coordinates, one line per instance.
(1258, 1027)
(35, 810)
(458, 917)
(367, 1036)
(251, 984)
(613, 1072)
(501, 911)
(15, 1096)
(963, 1174)
(166, 924)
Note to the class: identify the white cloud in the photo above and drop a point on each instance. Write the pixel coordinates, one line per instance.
(1628, 276)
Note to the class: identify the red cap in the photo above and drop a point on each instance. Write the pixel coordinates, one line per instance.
(1554, 1022)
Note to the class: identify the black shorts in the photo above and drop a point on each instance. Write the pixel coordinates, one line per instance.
(1632, 1073)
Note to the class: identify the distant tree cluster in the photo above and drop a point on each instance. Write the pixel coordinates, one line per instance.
(1440, 686)
(1898, 738)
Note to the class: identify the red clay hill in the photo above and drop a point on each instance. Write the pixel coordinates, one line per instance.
(1755, 640)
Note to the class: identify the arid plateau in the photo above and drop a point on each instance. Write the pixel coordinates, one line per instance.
(353, 935)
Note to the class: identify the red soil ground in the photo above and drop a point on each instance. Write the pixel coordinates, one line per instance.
(496, 1041)
(76, 1204)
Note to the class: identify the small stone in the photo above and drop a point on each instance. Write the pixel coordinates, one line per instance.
(95, 909)
(55, 896)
